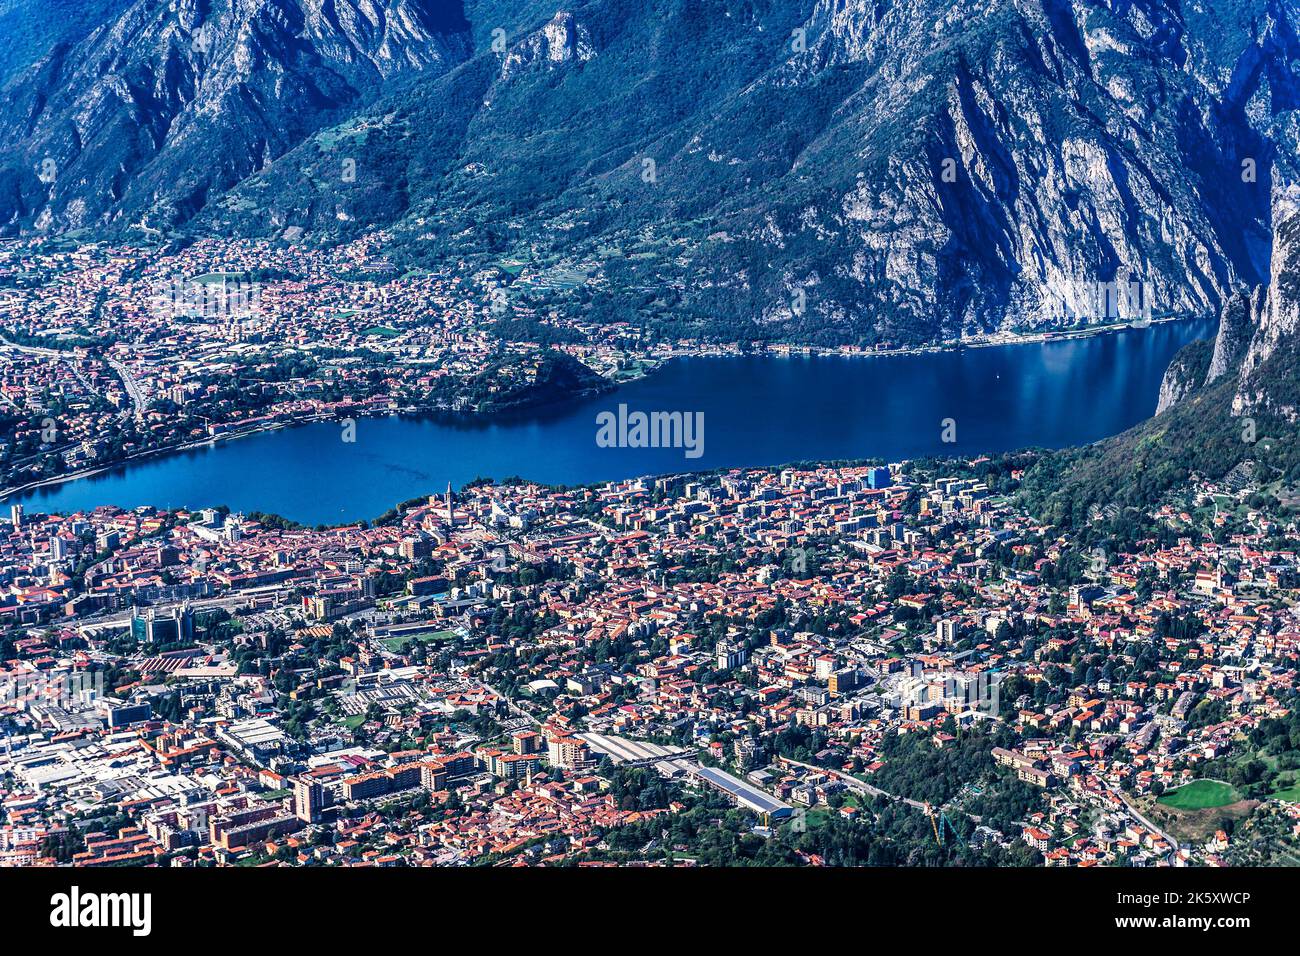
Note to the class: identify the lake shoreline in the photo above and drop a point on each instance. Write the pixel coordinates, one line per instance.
(530, 413)
(431, 413)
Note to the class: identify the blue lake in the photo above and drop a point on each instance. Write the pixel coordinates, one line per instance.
(756, 411)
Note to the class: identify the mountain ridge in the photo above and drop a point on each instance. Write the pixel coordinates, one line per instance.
(799, 170)
(138, 123)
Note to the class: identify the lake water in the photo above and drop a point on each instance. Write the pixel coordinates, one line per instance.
(756, 411)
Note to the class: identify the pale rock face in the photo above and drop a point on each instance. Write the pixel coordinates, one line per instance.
(1276, 318)
(1237, 323)
(1174, 387)
(1280, 317)
(562, 40)
(1069, 168)
(1256, 328)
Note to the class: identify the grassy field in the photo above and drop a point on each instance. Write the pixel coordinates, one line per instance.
(1200, 795)
(398, 644)
(1193, 812)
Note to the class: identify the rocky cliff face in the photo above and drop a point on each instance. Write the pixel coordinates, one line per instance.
(1055, 149)
(1201, 363)
(562, 40)
(1258, 341)
(819, 170)
(1238, 319)
(170, 104)
(1267, 380)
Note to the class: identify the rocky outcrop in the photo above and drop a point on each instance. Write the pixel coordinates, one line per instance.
(562, 40)
(1257, 336)
(1201, 363)
(1268, 381)
(1238, 320)
(1280, 316)
(1186, 373)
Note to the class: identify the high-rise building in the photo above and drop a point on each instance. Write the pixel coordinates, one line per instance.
(16, 516)
(568, 752)
(527, 741)
(309, 799)
(414, 548)
(451, 515)
(843, 681)
(730, 655)
(149, 627)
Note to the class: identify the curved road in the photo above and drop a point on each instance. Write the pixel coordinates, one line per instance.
(128, 383)
(1137, 815)
(853, 783)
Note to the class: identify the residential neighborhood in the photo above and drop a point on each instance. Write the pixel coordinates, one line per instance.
(509, 673)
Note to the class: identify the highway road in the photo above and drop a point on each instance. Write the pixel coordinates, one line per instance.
(132, 387)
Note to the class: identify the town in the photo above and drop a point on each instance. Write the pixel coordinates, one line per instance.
(817, 666)
(109, 354)
(112, 353)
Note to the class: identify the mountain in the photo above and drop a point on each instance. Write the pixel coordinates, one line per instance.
(152, 113)
(1185, 374)
(33, 29)
(874, 171)
(1267, 383)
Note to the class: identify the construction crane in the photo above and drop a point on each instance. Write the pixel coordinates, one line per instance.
(940, 824)
(945, 822)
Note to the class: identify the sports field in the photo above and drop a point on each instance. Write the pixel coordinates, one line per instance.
(1200, 795)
